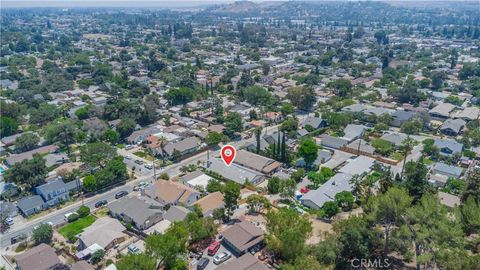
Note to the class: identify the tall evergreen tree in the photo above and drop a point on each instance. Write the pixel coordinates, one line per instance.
(284, 149)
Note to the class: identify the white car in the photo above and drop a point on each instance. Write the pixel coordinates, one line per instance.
(128, 157)
(221, 257)
(133, 249)
(9, 221)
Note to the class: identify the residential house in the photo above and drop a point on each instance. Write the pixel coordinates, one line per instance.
(314, 122)
(333, 142)
(256, 162)
(183, 147)
(447, 170)
(31, 205)
(448, 147)
(53, 192)
(353, 132)
(361, 146)
(135, 211)
(14, 159)
(242, 236)
(245, 262)
(400, 117)
(359, 165)
(235, 172)
(176, 213)
(396, 139)
(8, 209)
(105, 232)
(41, 257)
(171, 193)
(442, 110)
(196, 178)
(210, 203)
(315, 199)
(323, 156)
(82, 265)
(468, 114)
(452, 127)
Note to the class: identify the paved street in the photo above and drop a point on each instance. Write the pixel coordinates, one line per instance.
(141, 173)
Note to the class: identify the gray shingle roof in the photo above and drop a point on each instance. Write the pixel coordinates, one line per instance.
(326, 193)
(29, 202)
(51, 186)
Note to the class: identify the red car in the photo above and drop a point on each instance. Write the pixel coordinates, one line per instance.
(213, 248)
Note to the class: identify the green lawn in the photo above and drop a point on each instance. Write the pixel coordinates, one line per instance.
(143, 155)
(76, 227)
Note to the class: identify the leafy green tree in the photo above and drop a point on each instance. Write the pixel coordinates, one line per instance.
(411, 127)
(29, 172)
(199, 228)
(97, 154)
(136, 261)
(342, 87)
(170, 246)
(345, 200)
(273, 186)
(470, 214)
(97, 256)
(83, 211)
(231, 195)
(287, 109)
(287, 189)
(182, 95)
(255, 203)
(44, 114)
(287, 232)
(415, 179)
(233, 123)
(301, 97)
(388, 210)
(256, 95)
(83, 112)
(316, 178)
(214, 185)
(214, 138)
(473, 186)
(27, 141)
(356, 240)
(289, 124)
(62, 132)
(42, 234)
(330, 209)
(125, 127)
(304, 262)
(309, 151)
(431, 227)
(8, 126)
(89, 183)
(111, 136)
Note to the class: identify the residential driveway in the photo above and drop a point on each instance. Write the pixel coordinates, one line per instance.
(211, 265)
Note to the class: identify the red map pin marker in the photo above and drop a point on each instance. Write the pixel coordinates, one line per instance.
(228, 154)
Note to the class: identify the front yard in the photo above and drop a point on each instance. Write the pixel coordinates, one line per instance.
(76, 227)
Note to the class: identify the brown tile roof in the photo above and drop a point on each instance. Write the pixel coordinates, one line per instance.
(211, 202)
(171, 191)
(243, 235)
(38, 258)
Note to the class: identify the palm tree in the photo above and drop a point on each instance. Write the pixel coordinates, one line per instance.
(407, 147)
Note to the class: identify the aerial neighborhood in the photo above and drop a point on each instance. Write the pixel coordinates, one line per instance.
(356, 129)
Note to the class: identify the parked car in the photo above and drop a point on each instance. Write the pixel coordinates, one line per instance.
(133, 249)
(9, 221)
(18, 238)
(121, 194)
(136, 188)
(221, 257)
(128, 157)
(148, 166)
(202, 263)
(100, 203)
(213, 248)
(139, 162)
(129, 146)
